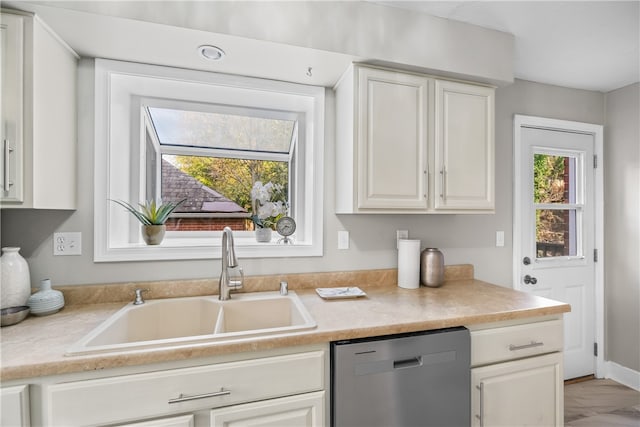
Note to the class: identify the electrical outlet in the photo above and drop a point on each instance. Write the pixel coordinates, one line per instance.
(69, 243)
(401, 234)
(343, 239)
(499, 239)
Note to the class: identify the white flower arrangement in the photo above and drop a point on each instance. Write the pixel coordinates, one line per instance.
(268, 203)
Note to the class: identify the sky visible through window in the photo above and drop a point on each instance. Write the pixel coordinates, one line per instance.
(221, 131)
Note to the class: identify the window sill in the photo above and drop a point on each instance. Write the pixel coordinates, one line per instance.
(204, 248)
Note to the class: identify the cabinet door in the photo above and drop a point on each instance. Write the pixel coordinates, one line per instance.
(11, 54)
(304, 410)
(392, 140)
(526, 392)
(464, 147)
(14, 406)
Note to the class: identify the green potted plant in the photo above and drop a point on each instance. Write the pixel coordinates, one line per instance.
(152, 215)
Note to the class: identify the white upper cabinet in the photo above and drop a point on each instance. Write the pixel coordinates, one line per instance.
(464, 147)
(411, 143)
(381, 153)
(38, 116)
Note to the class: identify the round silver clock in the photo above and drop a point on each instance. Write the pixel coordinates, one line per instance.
(285, 227)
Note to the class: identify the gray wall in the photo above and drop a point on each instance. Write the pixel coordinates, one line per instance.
(622, 226)
(462, 238)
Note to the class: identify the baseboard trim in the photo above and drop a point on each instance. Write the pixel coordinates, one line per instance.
(622, 374)
(579, 379)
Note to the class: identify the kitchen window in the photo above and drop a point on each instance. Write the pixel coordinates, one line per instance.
(210, 156)
(157, 126)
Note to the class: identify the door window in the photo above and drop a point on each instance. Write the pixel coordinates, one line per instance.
(558, 204)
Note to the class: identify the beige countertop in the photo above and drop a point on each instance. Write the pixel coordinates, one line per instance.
(36, 347)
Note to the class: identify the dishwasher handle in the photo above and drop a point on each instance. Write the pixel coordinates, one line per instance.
(407, 363)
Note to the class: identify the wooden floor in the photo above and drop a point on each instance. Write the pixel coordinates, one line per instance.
(601, 403)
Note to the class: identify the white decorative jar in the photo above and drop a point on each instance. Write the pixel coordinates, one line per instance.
(46, 301)
(263, 235)
(16, 282)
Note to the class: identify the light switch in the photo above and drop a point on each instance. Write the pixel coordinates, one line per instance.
(499, 239)
(343, 239)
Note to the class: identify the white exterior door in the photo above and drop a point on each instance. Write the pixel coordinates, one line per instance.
(555, 229)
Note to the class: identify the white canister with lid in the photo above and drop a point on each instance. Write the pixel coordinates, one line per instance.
(409, 264)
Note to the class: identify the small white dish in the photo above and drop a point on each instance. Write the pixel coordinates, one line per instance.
(340, 292)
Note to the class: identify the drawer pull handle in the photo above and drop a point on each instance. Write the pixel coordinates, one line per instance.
(522, 347)
(481, 416)
(186, 397)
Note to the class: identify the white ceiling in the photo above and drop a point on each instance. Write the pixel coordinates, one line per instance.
(592, 45)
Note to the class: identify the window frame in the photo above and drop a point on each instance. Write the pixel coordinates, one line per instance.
(120, 88)
(297, 149)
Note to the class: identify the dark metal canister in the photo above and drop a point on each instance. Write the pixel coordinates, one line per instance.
(431, 267)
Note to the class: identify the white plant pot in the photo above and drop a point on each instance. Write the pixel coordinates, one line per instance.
(263, 235)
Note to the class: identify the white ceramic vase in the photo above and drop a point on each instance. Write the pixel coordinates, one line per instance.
(263, 235)
(16, 282)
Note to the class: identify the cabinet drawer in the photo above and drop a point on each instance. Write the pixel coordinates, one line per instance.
(514, 342)
(130, 397)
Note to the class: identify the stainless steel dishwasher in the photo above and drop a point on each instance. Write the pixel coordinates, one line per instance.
(409, 380)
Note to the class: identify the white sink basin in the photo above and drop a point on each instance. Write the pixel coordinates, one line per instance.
(191, 320)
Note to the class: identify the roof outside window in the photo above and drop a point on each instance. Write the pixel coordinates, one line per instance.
(178, 185)
(185, 128)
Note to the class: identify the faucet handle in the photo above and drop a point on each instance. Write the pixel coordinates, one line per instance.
(139, 300)
(284, 288)
(237, 284)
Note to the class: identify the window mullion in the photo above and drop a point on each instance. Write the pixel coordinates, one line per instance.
(558, 206)
(229, 154)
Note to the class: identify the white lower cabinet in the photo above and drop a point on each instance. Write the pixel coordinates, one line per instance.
(516, 375)
(14, 406)
(305, 410)
(263, 391)
(525, 392)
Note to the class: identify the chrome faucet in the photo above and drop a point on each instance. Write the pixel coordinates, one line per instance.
(229, 260)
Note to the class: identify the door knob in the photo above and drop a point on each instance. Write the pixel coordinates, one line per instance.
(526, 260)
(530, 280)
